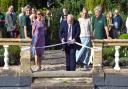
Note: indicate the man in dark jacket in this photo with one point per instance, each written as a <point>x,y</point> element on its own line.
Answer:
<point>69,32</point>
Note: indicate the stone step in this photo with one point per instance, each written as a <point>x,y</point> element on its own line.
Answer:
<point>61,74</point>
<point>53,61</point>
<point>62,80</point>
<point>62,83</point>
<point>54,54</point>
<point>53,57</point>
<point>62,86</point>
<point>50,67</point>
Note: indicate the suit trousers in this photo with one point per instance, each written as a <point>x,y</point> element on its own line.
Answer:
<point>70,57</point>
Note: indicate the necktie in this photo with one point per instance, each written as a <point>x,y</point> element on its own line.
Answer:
<point>69,33</point>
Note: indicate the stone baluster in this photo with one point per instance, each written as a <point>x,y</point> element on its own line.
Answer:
<point>117,67</point>
<point>6,59</point>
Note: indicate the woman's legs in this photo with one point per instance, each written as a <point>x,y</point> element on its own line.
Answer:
<point>38,62</point>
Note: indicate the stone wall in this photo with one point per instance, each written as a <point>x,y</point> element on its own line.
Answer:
<point>110,81</point>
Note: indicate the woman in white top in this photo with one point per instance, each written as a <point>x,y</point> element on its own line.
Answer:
<point>82,56</point>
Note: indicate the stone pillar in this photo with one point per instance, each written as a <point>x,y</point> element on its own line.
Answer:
<point>6,59</point>
<point>97,57</point>
<point>117,67</point>
<point>25,60</point>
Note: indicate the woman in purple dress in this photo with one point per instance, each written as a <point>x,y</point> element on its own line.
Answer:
<point>38,40</point>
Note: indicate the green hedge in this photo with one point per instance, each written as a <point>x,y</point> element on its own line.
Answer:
<point>123,50</point>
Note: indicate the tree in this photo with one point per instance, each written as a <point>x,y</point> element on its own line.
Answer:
<point>74,6</point>
<point>21,3</point>
<point>90,4</point>
<point>5,4</point>
<point>107,5</point>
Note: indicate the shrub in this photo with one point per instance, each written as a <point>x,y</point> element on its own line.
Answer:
<point>108,55</point>
<point>14,55</point>
<point>123,50</point>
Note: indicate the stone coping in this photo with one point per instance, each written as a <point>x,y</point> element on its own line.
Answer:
<point>111,42</point>
<point>13,41</point>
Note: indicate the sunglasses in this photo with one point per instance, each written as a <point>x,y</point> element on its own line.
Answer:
<point>84,13</point>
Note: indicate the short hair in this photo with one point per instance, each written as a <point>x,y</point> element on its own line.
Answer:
<point>70,16</point>
<point>11,7</point>
<point>65,11</point>
<point>84,9</point>
<point>116,11</point>
<point>27,7</point>
<point>99,8</point>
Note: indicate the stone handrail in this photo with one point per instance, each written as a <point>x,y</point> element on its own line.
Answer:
<point>24,59</point>
<point>13,41</point>
<point>97,58</point>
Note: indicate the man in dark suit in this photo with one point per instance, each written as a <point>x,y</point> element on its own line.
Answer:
<point>69,32</point>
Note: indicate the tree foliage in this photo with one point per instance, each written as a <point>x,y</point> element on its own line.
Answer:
<point>90,4</point>
<point>5,4</point>
<point>21,3</point>
<point>107,5</point>
<point>74,6</point>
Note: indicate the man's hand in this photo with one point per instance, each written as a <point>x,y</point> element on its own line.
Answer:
<point>109,37</point>
<point>72,41</point>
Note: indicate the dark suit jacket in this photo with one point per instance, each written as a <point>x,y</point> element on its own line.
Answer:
<point>63,32</point>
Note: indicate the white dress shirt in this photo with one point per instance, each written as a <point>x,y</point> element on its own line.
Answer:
<point>85,26</point>
<point>69,38</point>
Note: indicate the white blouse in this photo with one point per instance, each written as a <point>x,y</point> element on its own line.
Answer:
<point>85,26</point>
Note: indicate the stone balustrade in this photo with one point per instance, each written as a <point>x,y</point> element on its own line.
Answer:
<point>98,46</point>
<point>24,59</point>
<point>97,57</point>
